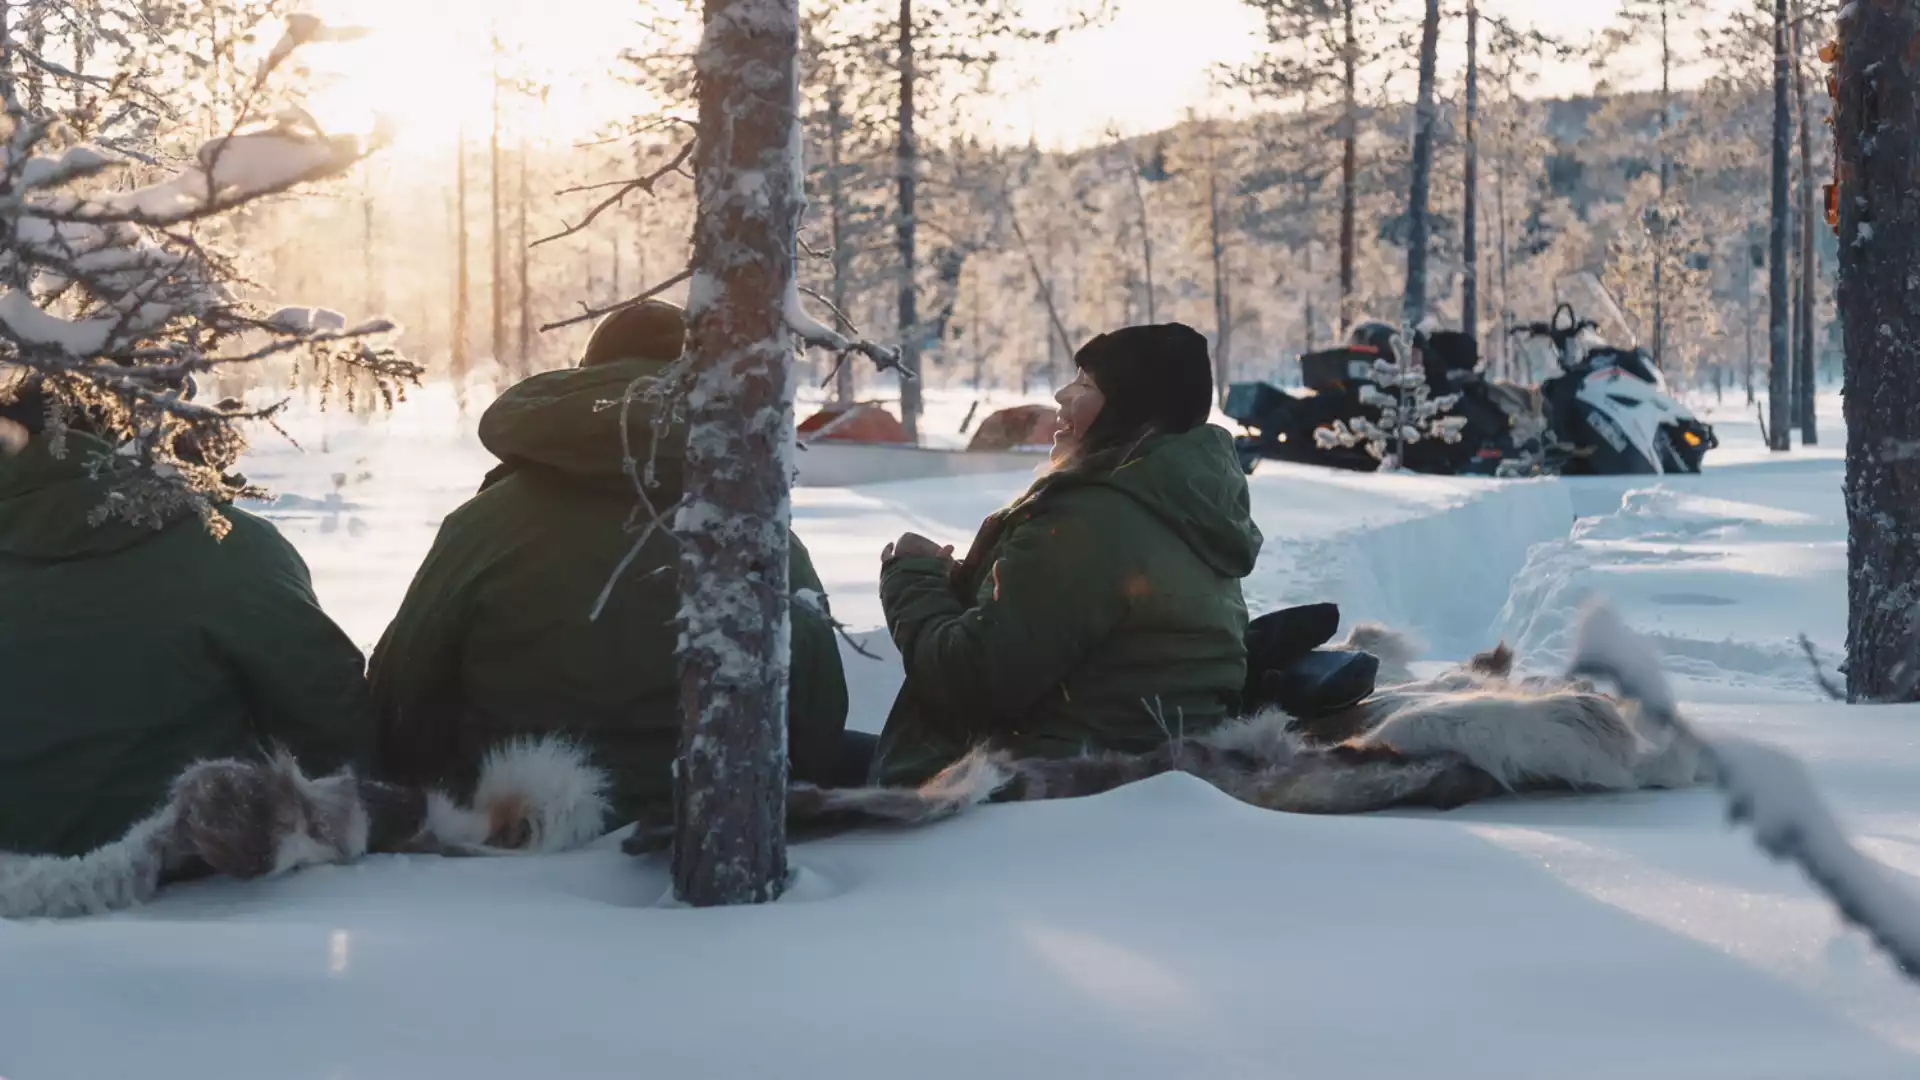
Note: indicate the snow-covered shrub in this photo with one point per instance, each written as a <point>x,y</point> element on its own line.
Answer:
<point>1408,413</point>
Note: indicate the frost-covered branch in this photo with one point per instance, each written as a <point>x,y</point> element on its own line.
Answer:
<point>112,301</point>
<point>811,333</point>
<point>1767,789</point>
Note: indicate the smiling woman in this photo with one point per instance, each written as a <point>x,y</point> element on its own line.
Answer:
<point>429,70</point>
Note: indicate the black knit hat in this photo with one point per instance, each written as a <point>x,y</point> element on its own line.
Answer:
<point>649,330</point>
<point>1151,376</point>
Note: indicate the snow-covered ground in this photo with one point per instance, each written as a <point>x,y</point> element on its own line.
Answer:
<point>1161,930</point>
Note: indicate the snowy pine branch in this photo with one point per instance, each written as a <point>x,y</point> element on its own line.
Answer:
<point>111,301</point>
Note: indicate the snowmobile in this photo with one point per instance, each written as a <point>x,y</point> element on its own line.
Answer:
<point>1282,426</point>
<point>1608,411</point>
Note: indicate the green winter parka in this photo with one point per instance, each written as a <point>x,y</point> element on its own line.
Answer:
<point>1098,611</point>
<point>495,638</point>
<point>127,653</point>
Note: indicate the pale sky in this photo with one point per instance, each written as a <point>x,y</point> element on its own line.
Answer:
<point>428,63</point>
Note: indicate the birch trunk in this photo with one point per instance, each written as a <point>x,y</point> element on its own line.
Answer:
<point>1414,307</point>
<point>523,348</point>
<point>731,777</point>
<point>497,243</point>
<point>1779,383</point>
<point>1875,121</point>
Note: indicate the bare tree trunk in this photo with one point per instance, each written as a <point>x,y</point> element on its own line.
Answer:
<point>1222,306</point>
<point>1470,198</point>
<point>1414,307</point>
<point>1500,210</point>
<point>907,153</point>
<point>1146,230</point>
<point>1748,252</point>
<point>1306,214</point>
<point>1808,276</point>
<point>843,388</point>
<point>462,360</point>
<point>371,299</point>
<point>497,246</point>
<point>1666,172</point>
<point>1876,117</point>
<point>1349,164</point>
<point>731,781</point>
<point>1779,388</point>
<point>523,348</point>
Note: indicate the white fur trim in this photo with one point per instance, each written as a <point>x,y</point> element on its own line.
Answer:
<point>548,783</point>
<point>1396,650</point>
<point>1579,739</point>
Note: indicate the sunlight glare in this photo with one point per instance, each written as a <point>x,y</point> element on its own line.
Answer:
<point>428,69</point>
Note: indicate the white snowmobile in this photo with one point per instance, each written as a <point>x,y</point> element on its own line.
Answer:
<point>1609,411</point>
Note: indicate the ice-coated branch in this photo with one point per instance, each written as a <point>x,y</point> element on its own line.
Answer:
<point>811,333</point>
<point>1767,789</point>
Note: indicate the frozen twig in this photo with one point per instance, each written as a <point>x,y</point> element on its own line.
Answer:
<point>627,187</point>
<point>815,603</point>
<point>590,314</point>
<point>1826,684</point>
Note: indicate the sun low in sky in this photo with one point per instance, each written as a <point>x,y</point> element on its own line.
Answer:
<point>429,67</point>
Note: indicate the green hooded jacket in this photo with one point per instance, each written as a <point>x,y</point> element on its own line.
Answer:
<point>1098,612</point>
<point>127,653</point>
<point>495,638</point>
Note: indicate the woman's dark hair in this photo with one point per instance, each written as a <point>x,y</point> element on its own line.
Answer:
<point>1155,379</point>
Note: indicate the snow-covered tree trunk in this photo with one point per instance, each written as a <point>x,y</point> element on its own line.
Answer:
<point>907,162</point>
<point>1809,289</point>
<point>1414,307</point>
<point>737,402</point>
<point>1877,152</point>
<point>1779,388</point>
<point>1349,161</point>
<point>1470,197</point>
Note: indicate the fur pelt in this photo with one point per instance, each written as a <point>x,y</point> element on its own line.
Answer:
<point>254,819</point>
<point>1470,733</point>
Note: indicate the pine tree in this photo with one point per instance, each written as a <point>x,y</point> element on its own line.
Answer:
<point>731,778</point>
<point>1419,224</point>
<point>1877,154</point>
<point>1779,389</point>
<point>1470,188</point>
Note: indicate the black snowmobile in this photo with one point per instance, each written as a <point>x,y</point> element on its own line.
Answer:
<point>1282,426</point>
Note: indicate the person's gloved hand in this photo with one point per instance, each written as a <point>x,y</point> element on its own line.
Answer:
<point>914,546</point>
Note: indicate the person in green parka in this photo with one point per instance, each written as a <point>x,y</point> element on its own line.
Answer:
<point>128,652</point>
<point>498,635</point>
<point>1102,610</point>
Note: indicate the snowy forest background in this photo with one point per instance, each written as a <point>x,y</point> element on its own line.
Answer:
<point>1229,220</point>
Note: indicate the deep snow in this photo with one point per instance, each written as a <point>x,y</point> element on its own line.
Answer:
<point>1161,930</point>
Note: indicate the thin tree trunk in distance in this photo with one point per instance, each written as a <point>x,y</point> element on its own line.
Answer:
<point>1222,306</point>
<point>1414,307</point>
<point>731,781</point>
<point>1875,121</point>
<point>907,157</point>
<point>1470,197</point>
<point>843,389</point>
<point>1666,172</point>
<point>462,295</point>
<point>497,295</point>
<point>1809,274</point>
<point>1349,163</point>
<point>1779,385</point>
<point>523,349</point>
